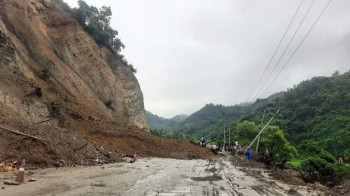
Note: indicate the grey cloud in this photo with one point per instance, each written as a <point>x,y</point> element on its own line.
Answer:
<point>189,53</point>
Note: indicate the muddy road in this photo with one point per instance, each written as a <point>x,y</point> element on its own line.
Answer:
<point>154,176</point>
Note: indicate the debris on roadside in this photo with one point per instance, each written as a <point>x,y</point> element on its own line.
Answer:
<point>99,184</point>
<point>5,167</point>
<point>32,180</point>
<point>129,158</point>
<point>11,183</point>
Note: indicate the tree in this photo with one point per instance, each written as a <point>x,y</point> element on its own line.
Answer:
<point>273,139</point>
<point>247,131</point>
<point>312,149</point>
<point>97,23</point>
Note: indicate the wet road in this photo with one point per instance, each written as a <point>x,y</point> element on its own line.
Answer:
<point>155,176</point>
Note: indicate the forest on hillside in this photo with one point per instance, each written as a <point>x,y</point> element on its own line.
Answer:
<point>310,131</point>
<point>316,110</point>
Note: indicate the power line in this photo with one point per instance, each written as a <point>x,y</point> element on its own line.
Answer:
<point>285,50</point>
<point>278,46</point>
<point>284,66</point>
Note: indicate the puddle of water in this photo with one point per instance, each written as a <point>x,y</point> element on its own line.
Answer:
<point>208,178</point>
<point>213,169</point>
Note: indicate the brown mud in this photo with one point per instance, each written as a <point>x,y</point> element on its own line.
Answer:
<point>82,139</point>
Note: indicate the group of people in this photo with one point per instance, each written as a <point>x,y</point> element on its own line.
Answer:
<point>248,152</point>
<point>234,148</point>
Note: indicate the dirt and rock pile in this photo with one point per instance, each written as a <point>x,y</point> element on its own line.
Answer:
<point>87,141</point>
<point>79,98</point>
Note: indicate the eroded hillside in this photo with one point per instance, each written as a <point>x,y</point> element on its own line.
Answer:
<point>56,83</point>
<point>44,47</point>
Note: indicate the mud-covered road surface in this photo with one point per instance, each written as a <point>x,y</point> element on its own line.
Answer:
<point>154,176</point>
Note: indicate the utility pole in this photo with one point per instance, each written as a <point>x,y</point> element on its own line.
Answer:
<point>257,143</point>
<point>250,145</point>
<point>224,139</point>
<point>229,136</point>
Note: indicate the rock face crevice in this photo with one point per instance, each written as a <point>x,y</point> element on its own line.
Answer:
<point>42,46</point>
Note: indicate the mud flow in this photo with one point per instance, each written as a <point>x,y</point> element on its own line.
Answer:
<point>156,176</point>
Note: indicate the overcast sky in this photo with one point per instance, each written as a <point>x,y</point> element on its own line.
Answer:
<point>192,52</point>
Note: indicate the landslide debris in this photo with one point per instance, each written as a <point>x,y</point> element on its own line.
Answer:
<point>57,84</point>
<point>87,141</point>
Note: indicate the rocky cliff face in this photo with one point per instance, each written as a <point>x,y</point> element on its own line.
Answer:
<point>47,60</point>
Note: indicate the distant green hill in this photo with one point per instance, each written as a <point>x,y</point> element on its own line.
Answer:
<point>316,109</point>
<point>179,118</point>
<point>168,125</point>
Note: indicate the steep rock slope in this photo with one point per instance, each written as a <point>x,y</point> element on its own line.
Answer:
<point>80,103</point>
<point>47,58</point>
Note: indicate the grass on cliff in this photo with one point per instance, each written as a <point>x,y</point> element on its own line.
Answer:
<point>97,23</point>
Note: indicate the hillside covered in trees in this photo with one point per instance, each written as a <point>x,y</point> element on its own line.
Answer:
<point>316,110</point>
<point>160,123</point>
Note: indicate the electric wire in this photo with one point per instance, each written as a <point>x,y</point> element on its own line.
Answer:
<point>313,25</point>
<point>285,50</point>
<point>278,46</point>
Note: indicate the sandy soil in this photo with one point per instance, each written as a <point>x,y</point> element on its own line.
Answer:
<point>154,176</point>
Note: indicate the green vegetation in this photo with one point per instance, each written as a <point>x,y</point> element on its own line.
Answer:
<point>46,73</point>
<point>311,149</point>
<point>246,132</point>
<point>210,122</point>
<point>314,117</point>
<point>274,140</point>
<point>156,123</point>
<point>321,170</point>
<point>163,133</point>
<point>159,132</point>
<point>316,110</point>
<point>97,23</point>
<point>296,163</point>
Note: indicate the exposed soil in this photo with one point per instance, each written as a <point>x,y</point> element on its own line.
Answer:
<point>57,147</point>
<point>81,139</point>
<point>130,140</point>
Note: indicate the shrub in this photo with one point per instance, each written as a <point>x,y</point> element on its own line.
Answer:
<point>46,73</point>
<point>97,23</point>
<point>342,170</point>
<point>133,69</point>
<point>321,170</point>
<point>109,104</point>
<point>274,140</point>
<point>311,149</point>
<point>327,156</point>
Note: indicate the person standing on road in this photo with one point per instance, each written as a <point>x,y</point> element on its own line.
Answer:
<point>236,144</point>
<point>266,155</point>
<point>204,143</point>
<point>201,141</point>
<point>249,154</point>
